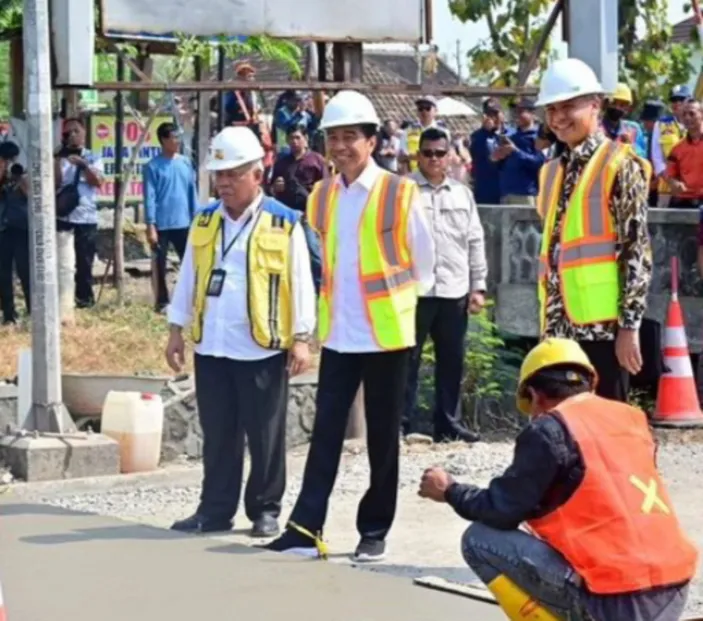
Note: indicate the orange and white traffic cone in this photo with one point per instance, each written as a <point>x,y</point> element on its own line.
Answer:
<point>677,398</point>
<point>3,616</point>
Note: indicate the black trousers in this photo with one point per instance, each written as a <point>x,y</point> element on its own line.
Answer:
<point>14,253</point>
<point>446,322</point>
<point>613,380</point>
<point>238,399</point>
<point>384,376</point>
<point>84,242</point>
<point>178,238</point>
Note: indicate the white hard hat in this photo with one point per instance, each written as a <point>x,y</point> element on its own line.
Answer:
<point>567,79</point>
<point>349,108</point>
<point>234,147</point>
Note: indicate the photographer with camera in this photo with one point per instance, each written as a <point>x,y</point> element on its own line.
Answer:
<point>14,231</point>
<point>79,175</point>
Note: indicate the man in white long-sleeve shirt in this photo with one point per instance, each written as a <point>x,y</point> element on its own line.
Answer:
<point>246,288</point>
<point>460,286</point>
<point>377,255</point>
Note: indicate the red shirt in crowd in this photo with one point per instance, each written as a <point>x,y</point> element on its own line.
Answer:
<point>685,163</point>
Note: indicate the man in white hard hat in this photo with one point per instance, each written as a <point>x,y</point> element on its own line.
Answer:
<point>246,289</point>
<point>377,255</point>
<point>595,261</point>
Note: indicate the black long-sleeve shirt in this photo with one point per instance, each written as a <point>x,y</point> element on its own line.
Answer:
<point>546,470</point>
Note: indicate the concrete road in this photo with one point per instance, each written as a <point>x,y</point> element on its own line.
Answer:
<point>56,564</point>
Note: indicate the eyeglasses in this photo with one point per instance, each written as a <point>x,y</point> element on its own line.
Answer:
<point>430,153</point>
<point>424,108</point>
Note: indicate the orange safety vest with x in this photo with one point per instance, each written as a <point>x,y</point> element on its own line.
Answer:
<point>618,530</point>
<point>589,274</point>
<point>386,277</point>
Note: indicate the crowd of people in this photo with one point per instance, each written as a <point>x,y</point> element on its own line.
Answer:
<point>500,161</point>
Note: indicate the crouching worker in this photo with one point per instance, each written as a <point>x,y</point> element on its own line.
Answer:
<point>604,543</point>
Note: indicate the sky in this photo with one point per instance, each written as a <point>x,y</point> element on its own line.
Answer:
<point>447,29</point>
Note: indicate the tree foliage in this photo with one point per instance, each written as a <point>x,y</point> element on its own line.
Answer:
<point>514,27</point>
<point>644,33</point>
<point>178,66</point>
<point>649,62</point>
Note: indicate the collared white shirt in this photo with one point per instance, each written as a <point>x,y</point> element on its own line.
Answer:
<point>460,253</point>
<point>351,330</point>
<point>87,210</point>
<point>226,326</point>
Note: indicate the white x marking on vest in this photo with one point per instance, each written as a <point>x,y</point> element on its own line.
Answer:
<point>651,499</point>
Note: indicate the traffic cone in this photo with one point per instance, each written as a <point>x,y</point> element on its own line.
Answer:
<point>677,398</point>
<point>3,616</point>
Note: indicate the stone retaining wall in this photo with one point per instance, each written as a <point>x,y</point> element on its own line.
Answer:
<point>182,433</point>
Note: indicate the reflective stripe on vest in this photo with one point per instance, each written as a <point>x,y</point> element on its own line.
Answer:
<point>588,270</point>
<point>618,529</point>
<point>386,277</point>
<point>269,296</point>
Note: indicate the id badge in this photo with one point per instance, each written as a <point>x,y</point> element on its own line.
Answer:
<point>216,283</point>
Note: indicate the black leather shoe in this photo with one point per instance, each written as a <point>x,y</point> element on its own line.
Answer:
<point>201,524</point>
<point>265,526</point>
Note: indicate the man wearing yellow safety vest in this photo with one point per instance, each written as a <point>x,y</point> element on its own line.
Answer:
<point>410,139</point>
<point>601,540</point>
<point>668,132</point>
<point>595,260</point>
<point>377,256</point>
<point>246,288</point>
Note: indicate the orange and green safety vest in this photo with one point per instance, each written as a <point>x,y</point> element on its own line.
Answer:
<point>386,276</point>
<point>587,263</point>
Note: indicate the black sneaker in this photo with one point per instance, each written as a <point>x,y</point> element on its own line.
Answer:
<point>293,542</point>
<point>199,524</point>
<point>370,551</point>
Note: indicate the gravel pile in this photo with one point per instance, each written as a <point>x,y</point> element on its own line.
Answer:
<point>161,504</point>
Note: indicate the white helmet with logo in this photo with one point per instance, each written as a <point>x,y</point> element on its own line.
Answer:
<point>234,147</point>
<point>349,108</point>
<point>567,79</point>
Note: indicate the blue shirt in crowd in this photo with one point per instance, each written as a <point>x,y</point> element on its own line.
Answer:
<point>519,172</point>
<point>170,193</point>
<point>628,131</point>
<point>485,172</point>
<point>286,119</point>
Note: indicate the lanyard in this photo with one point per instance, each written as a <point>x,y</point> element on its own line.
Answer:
<point>226,249</point>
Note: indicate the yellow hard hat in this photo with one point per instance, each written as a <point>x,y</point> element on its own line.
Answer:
<point>622,93</point>
<point>549,353</point>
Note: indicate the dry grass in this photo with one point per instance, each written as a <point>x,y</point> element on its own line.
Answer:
<point>105,339</point>
<point>108,339</point>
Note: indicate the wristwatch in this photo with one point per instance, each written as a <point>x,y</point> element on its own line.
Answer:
<point>302,337</point>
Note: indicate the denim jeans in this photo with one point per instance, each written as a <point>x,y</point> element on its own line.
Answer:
<point>544,574</point>
<point>315,254</point>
